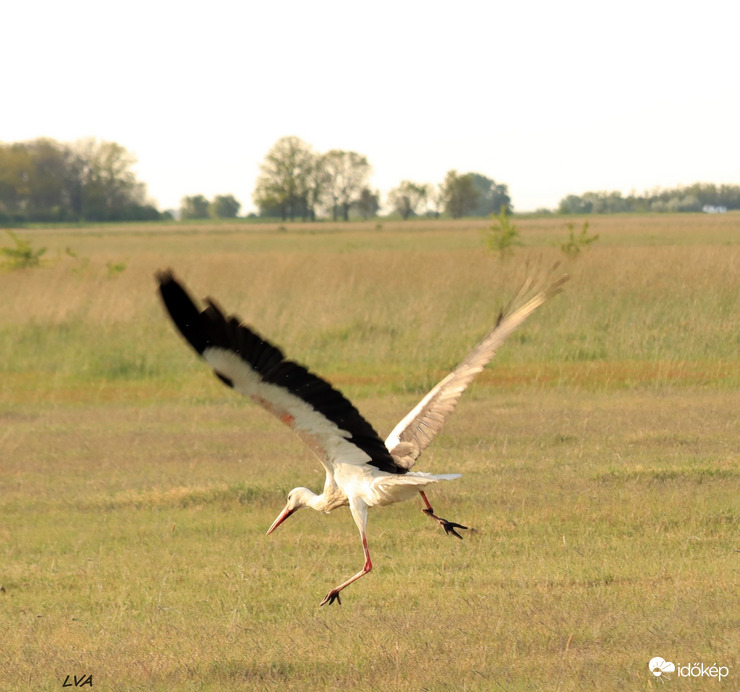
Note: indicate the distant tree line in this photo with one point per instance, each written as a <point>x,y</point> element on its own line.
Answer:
<point>681,199</point>
<point>297,182</point>
<point>89,180</point>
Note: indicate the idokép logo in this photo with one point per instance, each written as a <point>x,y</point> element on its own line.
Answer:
<point>661,668</point>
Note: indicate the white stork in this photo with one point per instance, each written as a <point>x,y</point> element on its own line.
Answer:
<point>361,470</point>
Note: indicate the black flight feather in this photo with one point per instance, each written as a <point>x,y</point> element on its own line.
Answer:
<point>210,328</point>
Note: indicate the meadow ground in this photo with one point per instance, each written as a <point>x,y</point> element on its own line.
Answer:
<point>599,453</point>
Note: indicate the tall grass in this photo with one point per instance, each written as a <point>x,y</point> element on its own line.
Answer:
<point>378,314</point>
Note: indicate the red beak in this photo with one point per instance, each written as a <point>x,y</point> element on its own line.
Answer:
<point>281,518</point>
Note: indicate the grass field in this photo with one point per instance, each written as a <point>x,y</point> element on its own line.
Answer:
<point>599,450</point>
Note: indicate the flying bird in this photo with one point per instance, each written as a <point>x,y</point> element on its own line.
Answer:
<point>362,471</point>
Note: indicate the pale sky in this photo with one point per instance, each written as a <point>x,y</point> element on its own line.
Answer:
<point>550,98</point>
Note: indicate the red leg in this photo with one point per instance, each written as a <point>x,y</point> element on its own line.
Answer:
<point>448,526</point>
<point>333,595</point>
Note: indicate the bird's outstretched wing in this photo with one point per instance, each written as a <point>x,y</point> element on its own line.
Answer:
<point>329,424</point>
<point>413,434</point>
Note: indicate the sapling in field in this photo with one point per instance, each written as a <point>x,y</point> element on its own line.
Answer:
<point>22,255</point>
<point>503,235</point>
<point>574,244</point>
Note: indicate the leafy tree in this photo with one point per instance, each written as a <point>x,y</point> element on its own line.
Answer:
<point>32,179</point>
<point>108,184</point>
<point>194,207</point>
<point>316,185</point>
<point>15,175</point>
<point>46,188</point>
<point>224,207</point>
<point>727,196</point>
<point>406,198</point>
<point>460,194</point>
<point>368,203</point>
<point>43,180</point>
<point>573,204</point>
<point>347,173</point>
<point>491,196</point>
<point>284,182</point>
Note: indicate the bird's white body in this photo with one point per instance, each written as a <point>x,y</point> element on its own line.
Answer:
<point>349,477</point>
<point>362,471</point>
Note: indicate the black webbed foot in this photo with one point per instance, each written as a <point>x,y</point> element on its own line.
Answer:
<point>448,526</point>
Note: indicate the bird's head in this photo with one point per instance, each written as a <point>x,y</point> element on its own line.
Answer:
<point>297,499</point>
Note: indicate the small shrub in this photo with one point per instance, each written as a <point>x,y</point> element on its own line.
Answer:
<point>573,246</point>
<point>22,255</point>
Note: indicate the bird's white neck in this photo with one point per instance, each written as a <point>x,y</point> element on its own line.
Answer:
<point>330,499</point>
<point>312,500</point>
